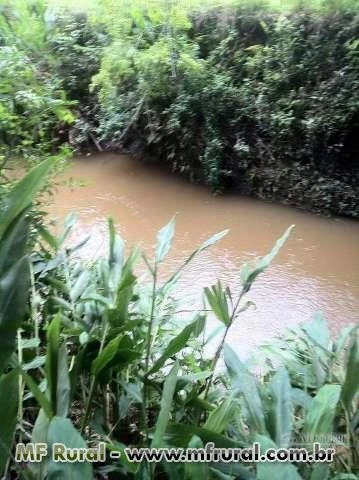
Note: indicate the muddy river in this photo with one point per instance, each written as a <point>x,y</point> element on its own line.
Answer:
<point>317,270</point>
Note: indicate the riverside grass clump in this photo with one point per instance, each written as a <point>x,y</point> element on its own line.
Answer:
<point>90,353</point>
<point>261,97</point>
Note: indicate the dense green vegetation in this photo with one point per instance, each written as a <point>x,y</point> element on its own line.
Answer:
<point>237,96</point>
<point>89,353</point>
<point>257,97</point>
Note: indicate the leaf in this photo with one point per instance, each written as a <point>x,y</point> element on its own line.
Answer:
<point>248,274</point>
<point>212,240</point>
<point>131,467</point>
<point>196,469</point>
<point>351,383</point>
<point>52,357</point>
<point>221,416</point>
<point>301,398</point>
<point>279,422</point>
<point>70,222</point>
<point>164,240</point>
<point>244,382</point>
<point>133,390</point>
<point>180,435</point>
<point>50,239</point>
<point>9,400</point>
<point>321,413</point>
<point>176,344</point>
<point>274,470</point>
<point>320,471</point>
<point>318,331</point>
<point>37,393</point>
<point>209,242</point>
<point>217,299</point>
<point>14,292</point>
<point>63,383</point>
<point>14,241</point>
<point>80,285</point>
<point>118,351</point>
<point>165,408</point>
<point>22,194</point>
<point>116,253</point>
<point>39,435</point>
<point>61,430</point>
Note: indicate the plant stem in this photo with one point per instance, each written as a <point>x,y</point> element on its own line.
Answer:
<point>220,346</point>
<point>35,315</point>
<point>20,359</point>
<point>93,382</point>
<point>148,353</point>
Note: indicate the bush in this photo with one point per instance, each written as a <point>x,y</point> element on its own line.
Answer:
<point>259,100</point>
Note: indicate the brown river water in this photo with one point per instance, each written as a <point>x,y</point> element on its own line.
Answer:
<point>316,270</point>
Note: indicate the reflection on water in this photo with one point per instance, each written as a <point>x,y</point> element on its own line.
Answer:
<point>317,269</point>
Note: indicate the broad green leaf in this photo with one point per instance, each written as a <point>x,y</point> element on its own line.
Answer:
<point>39,435</point>
<point>196,470</point>
<point>318,331</point>
<point>232,471</point>
<point>131,467</point>
<point>52,358</point>
<point>179,435</point>
<point>274,470</point>
<point>301,398</point>
<point>244,382</point>
<point>9,400</point>
<point>133,390</point>
<point>165,408</point>
<point>23,193</point>
<point>351,383</point>
<point>116,253</point>
<point>279,418</point>
<point>321,413</point>
<point>14,292</point>
<point>50,239</point>
<point>70,222</point>
<point>37,393</point>
<point>320,471</point>
<point>164,240</point>
<point>342,339</point>
<point>63,383</point>
<point>61,430</point>
<point>220,475</point>
<point>80,285</point>
<point>249,274</point>
<point>212,241</point>
<point>118,351</point>
<point>14,241</point>
<point>176,344</point>
<point>220,418</point>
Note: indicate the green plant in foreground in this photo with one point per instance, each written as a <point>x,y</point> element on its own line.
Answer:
<point>89,353</point>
